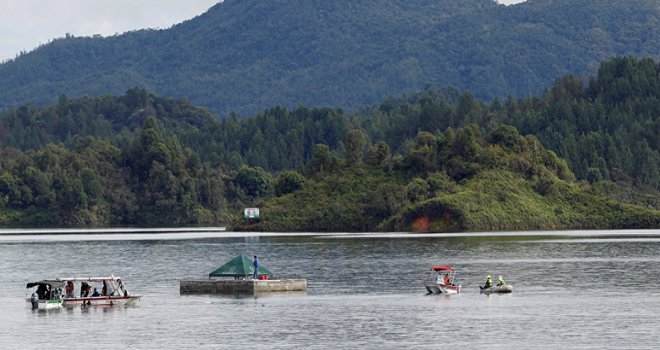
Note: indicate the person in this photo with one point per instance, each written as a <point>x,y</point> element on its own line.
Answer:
<point>69,289</point>
<point>500,281</point>
<point>255,263</point>
<point>489,282</point>
<point>85,289</point>
<point>34,300</point>
<point>96,293</point>
<point>42,291</point>
<point>447,279</point>
<point>107,289</point>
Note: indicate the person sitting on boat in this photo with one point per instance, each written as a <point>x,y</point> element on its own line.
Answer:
<point>500,281</point>
<point>489,282</point>
<point>447,279</point>
<point>96,293</point>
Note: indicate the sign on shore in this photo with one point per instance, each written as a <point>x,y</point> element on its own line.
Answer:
<point>251,213</point>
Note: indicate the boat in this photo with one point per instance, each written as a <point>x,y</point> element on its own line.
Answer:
<point>440,280</point>
<point>92,291</point>
<point>497,289</point>
<point>44,295</point>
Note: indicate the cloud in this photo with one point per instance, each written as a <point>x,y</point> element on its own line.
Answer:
<point>24,24</point>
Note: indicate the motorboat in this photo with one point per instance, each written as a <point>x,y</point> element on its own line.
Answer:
<point>497,289</point>
<point>44,295</point>
<point>92,291</point>
<point>440,280</point>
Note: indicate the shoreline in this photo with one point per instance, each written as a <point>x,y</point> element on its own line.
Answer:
<point>45,235</point>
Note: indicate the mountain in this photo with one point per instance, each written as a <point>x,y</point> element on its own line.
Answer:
<point>247,55</point>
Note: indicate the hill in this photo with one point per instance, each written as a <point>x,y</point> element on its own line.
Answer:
<point>606,129</point>
<point>456,181</point>
<point>247,55</point>
<point>142,159</point>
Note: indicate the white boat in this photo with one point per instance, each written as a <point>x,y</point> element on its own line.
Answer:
<point>93,291</point>
<point>441,280</point>
<point>497,289</point>
<point>44,295</point>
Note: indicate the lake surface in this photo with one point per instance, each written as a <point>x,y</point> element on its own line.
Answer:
<point>577,290</point>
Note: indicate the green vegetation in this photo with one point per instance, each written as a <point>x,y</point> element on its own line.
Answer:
<point>247,55</point>
<point>437,160</point>
<point>450,182</point>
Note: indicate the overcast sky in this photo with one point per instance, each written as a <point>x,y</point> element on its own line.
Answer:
<point>24,24</point>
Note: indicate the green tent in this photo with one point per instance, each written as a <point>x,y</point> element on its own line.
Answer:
<point>239,266</point>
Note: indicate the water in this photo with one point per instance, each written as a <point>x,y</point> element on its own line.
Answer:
<point>578,290</point>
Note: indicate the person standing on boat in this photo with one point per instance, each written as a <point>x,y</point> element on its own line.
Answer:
<point>69,289</point>
<point>489,282</point>
<point>255,263</point>
<point>500,281</point>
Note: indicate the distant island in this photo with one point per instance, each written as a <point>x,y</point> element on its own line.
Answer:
<point>582,155</point>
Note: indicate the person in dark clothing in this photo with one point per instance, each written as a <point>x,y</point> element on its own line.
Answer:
<point>255,263</point>
<point>84,289</point>
<point>42,291</point>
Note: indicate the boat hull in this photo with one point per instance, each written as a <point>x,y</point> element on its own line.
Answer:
<point>102,301</point>
<point>497,289</point>
<point>44,305</point>
<point>442,288</point>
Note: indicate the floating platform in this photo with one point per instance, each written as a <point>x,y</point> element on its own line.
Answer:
<point>242,286</point>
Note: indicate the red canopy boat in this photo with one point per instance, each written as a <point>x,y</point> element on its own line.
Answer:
<point>441,279</point>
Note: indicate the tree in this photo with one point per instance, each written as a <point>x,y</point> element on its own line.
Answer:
<point>256,182</point>
<point>322,160</point>
<point>378,153</point>
<point>288,182</point>
<point>354,144</point>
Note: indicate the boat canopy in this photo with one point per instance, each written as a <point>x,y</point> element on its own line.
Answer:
<point>442,268</point>
<point>239,266</point>
<point>89,279</point>
<point>53,284</point>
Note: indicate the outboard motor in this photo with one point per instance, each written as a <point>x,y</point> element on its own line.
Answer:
<point>35,301</point>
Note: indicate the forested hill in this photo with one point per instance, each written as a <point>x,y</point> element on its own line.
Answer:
<point>434,160</point>
<point>606,129</point>
<point>247,55</point>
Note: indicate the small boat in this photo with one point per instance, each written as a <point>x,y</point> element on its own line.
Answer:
<point>44,295</point>
<point>440,280</point>
<point>107,291</point>
<point>497,289</point>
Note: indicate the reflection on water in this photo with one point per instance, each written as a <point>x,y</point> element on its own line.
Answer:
<point>365,291</point>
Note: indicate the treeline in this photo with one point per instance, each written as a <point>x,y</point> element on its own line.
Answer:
<point>144,159</point>
<point>152,181</point>
<point>606,128</point>
<point>464,180</point>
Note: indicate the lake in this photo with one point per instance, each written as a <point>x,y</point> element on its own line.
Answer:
<point>572,289</point>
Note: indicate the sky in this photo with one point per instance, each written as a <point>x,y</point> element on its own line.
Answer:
<point>25,24</point>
